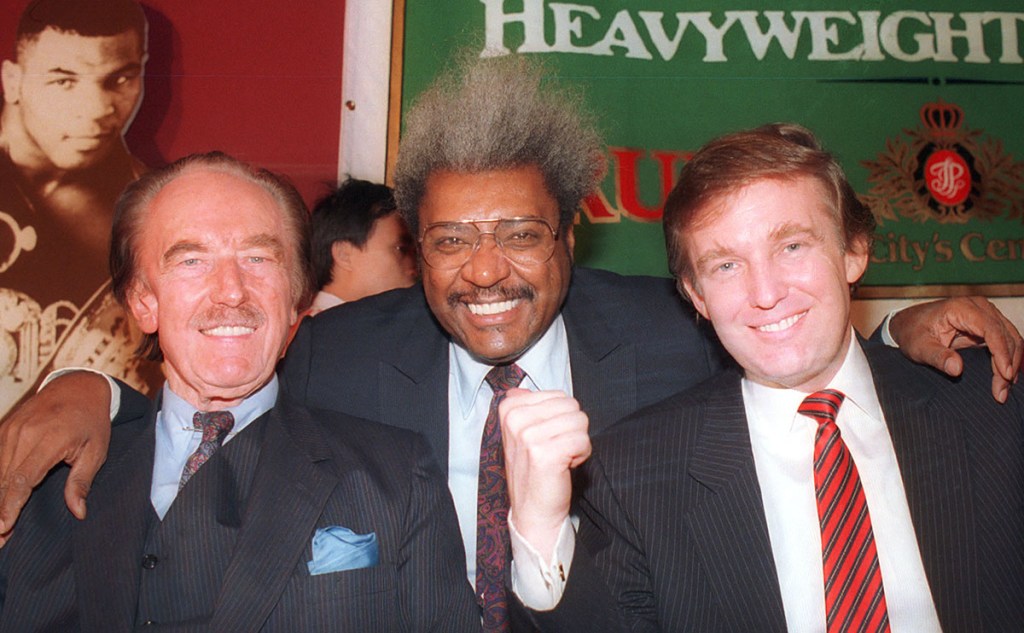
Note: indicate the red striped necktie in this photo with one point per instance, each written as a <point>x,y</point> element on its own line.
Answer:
<point>854,595</point>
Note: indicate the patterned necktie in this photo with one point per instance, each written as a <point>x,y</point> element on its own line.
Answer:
<point>215,426</point>
<point>492,507</point>
<point>854,595</point>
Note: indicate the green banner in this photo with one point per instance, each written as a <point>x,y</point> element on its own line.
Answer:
<point>920,101</point>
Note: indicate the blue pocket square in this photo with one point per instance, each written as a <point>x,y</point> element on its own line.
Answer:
<point>338,548</point>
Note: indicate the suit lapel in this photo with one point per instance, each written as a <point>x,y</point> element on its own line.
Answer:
<point>931,451</point>
<point>729,528</point>
<point>604,370</point>
<point>108,544</point>
<point>413,384</point>
<point>293,481</point>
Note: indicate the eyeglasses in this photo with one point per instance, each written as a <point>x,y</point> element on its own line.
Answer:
<point>449,245</point>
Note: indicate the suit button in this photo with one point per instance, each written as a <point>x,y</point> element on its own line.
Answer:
<point>149,561</point>
<point>148,623</point>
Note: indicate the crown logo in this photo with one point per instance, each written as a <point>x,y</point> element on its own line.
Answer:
<point>942,119</point>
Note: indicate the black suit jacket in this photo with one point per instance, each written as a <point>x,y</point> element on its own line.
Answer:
<point>673,535</point>
<point>315,469</point>
<point>632,341</point>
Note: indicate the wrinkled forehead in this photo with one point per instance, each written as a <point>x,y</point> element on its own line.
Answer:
<point>219,197</point>
<point>462,196</point>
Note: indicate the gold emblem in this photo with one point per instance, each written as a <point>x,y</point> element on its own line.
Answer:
<point>944,171</point>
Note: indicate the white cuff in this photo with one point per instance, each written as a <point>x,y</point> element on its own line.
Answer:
<point>886,335</point>
<point>539,584</point>
<point>115,391</point>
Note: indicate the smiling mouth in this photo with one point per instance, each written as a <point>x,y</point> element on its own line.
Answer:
<point>228,330</point>
<point>784,324</point>
<point>487,309</point>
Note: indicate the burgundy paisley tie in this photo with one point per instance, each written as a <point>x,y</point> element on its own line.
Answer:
<point>215,426</point>
<point>492,507</point>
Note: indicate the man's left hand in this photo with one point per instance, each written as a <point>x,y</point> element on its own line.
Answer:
<point>929,333</point>
<point>544,435</point>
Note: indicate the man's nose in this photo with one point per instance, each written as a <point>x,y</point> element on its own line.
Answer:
<point>487,265</point>
<point>98,102</point>
<point>228,284</point>
<point>765,286</point>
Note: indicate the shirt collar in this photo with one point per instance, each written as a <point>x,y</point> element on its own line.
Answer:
<point>853,379</point>
<point>323,301</point>
<point>175,410</point>
<point>546,364</point>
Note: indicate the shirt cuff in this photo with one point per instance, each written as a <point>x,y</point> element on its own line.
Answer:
<point>115,391</point>
<point>886,335</point>
<point>539,584</point>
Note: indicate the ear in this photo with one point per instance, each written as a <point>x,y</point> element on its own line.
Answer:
<point>10,77</point>
<point>144,307</point>
<point>342,253</point>
<point>570,241</point>
<point>695,297</point>
<point>856,258</point>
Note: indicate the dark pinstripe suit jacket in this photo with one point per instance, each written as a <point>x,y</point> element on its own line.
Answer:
<point>314,470</point>
<point>673,535</point>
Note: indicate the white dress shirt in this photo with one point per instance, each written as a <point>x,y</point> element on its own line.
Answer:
<point>322,301</point>
<point>783,445</point>
<point>177,438</point>
<point>546,365</point>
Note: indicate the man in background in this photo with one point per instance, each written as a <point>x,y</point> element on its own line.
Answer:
<point>70,91</point>
<point>361,246</point>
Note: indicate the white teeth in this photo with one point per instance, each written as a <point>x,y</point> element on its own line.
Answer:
<point>784,324</point>
<point>481,309</point>
<point>229,330</point>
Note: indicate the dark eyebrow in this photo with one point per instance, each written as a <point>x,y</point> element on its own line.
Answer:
<point>127,69</point>
<point>134,68</point>
<point>712,255</point>
<point>265,240</point>
<point>182,247</point>
<point>261,240</point>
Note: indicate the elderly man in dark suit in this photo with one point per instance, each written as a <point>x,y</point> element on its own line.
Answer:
<point>492,169</point>
<point>831,485</point>
<point>225,507</point>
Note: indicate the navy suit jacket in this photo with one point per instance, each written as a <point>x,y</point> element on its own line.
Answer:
<point>632,341</point>
<point>673,535</point>
<point>314,470</point>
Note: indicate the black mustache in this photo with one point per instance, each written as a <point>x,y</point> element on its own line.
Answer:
<point>490,295</point>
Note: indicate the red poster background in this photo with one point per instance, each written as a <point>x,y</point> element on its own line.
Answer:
<point>260,80</point>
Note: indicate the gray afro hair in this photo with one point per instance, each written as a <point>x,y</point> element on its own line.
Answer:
<point>495,113</point>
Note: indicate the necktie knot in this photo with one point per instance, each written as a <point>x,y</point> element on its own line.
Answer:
<point>215,425</point>
<point>822,406</point>
<point>501,378</point>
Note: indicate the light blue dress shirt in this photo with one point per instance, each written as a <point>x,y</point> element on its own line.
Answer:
<point>177,438</point>
<point>469,397</point>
